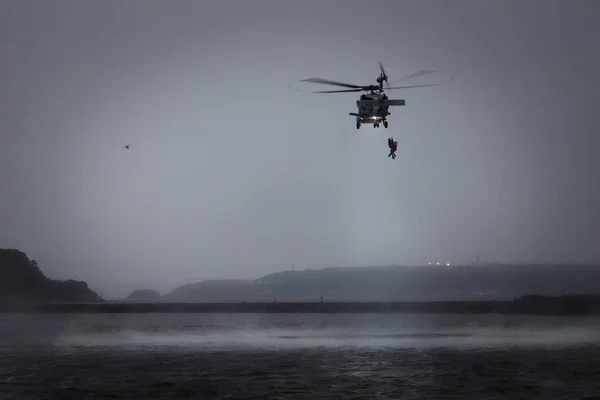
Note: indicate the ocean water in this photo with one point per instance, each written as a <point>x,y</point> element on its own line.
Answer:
<point>298,356</point>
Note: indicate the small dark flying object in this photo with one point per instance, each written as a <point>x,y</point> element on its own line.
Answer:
<point>373,107</point>
<point>126,146</point>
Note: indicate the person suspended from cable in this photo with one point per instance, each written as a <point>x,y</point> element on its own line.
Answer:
<point>393,145</point>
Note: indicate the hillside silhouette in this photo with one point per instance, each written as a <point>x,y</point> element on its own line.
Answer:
<point>22,280</point>
<point>144,295</point>
<point>507,289</point>
<point>400,283</point>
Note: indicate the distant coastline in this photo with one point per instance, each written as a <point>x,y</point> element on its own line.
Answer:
<point>395,283</point>
<point>568,305</point>
<point>464,289</point>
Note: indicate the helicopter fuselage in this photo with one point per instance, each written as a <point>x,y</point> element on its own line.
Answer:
<point>373,108</point>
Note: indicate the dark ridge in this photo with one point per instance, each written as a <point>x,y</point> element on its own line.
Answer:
<point>144,296</point>
<point>22,281</point>
<point>567,305</point>
<point>399,283</point>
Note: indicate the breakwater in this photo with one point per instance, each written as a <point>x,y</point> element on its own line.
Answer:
<point>529,305</point>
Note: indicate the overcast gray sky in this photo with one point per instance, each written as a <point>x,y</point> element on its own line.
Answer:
<point>232,175</point>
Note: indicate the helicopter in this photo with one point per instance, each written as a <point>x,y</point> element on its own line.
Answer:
<point>373,108</point>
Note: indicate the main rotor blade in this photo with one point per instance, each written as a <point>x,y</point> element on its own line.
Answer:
<point>334,83</point>
<point>339,91</point>
<point>412,86</point>
<point>416,86</point>
<point>413,75</point>
<point>382,70</point>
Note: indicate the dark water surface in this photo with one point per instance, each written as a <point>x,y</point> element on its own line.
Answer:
<point>298,356</point>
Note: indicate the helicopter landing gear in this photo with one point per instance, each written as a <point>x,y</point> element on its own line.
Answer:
<point>385,124</point>
<point>375,125</point>
<point>358,125</point>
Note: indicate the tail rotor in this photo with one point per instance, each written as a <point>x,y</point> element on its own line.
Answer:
<point>382,77</point>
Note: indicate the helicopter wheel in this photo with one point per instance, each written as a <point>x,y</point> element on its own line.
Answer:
<point>358,125</point>
<point>385,124</point>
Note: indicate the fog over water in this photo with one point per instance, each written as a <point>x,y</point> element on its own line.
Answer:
<point>197,332</point>
<point>304,356</point>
